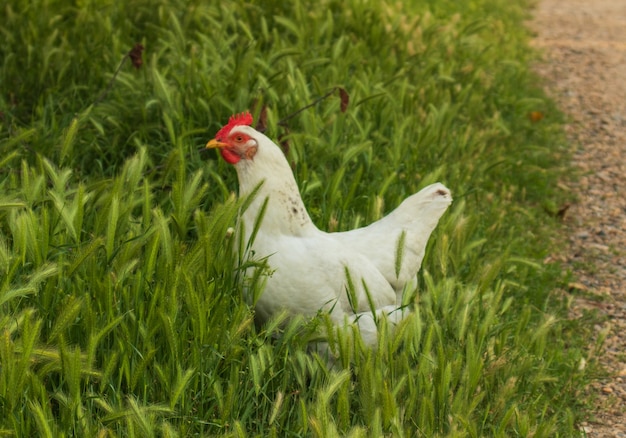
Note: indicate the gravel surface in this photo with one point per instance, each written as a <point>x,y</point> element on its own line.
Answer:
<point>584,42</point>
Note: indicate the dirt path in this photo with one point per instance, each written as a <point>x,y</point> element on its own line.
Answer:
<point>585,68</point>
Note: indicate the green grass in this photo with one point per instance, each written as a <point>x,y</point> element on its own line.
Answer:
<point>120,311</point>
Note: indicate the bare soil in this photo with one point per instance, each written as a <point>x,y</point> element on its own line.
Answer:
<point>584,42</point>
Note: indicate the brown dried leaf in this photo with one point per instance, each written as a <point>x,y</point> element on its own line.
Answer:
<point>135,55</point>
<point>345,99</point>
<point>261,124</point>
<point>561,212</point>
<point>284,143</point>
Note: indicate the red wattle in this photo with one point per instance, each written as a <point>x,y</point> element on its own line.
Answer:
<point>230,156</point>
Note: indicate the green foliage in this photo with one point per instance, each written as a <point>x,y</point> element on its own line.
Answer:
<point>120,310</point>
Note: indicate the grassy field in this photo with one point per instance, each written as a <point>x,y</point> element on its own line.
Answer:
<point>120,311</point>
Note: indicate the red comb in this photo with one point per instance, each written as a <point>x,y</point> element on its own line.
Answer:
<point>235,120</point>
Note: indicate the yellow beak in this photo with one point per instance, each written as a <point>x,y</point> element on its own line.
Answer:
<point>215,144</point>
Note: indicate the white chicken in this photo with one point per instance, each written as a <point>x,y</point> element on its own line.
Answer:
<point>355,276</point>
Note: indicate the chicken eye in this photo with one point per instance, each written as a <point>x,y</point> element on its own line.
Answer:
<point>239,138</point>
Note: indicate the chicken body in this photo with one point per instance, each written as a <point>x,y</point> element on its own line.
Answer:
<point>352,275</point>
